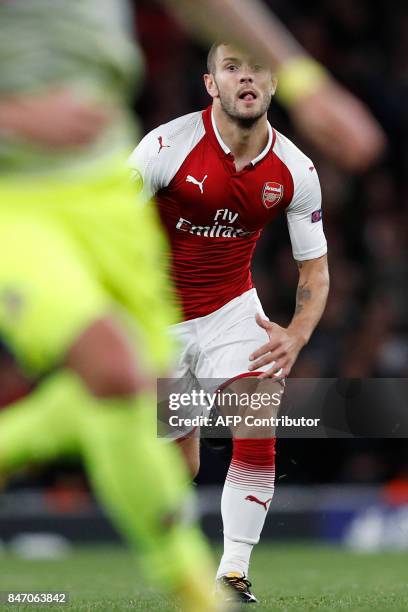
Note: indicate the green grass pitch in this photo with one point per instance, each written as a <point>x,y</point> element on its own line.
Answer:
<point>285,577</point>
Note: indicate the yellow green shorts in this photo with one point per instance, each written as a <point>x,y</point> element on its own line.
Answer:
<point>71,253</point>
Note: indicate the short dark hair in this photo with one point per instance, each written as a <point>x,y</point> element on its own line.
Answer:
<point>211,55</point>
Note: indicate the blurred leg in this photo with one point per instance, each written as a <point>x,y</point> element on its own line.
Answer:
<point>140,480</point>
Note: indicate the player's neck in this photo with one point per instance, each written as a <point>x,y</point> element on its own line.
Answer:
<point>245,143</point>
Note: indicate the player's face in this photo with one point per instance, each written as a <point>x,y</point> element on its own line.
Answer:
<point>243,87</point>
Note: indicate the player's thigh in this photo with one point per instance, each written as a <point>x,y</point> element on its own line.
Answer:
<point>235,336</point>
<point>48,291</point>
<point>224,363</point>
<point>181,401</point>
<point>180,408</point>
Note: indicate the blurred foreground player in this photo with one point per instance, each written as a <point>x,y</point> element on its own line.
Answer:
<point>72,310</point>
<point>218,177</point>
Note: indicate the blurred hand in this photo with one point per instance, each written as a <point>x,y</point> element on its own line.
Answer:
<point>58,119</point>
<point>340,126</point>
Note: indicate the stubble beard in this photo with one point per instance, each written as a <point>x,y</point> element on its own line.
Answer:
<point>241,119</point>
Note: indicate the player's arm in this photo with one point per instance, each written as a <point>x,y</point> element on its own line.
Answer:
<point>311,297</point>
<point>145,167</point>
<point>246,23</point>
<point>309,247</point>
<point>284,345</point>
<point>158,156</point>
<point>54,118</point>
<point>329,116</point>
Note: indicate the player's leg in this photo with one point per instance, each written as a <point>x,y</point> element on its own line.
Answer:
<point>132,268</point>
<point>145,487</point>
<point>42,426</point>
<point>232,335</point>
<point>47,299</point>
<point>115,436</point>
<point>107,361</point>
<point>249,484</point>
<point>124,458</point>
<point>182,381</point>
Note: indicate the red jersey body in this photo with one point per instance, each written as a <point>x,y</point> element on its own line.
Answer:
<point>214,215</point>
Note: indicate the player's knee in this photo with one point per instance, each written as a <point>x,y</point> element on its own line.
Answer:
<point>113,380</point>
<point>110,378</point>
<point>103,359</point>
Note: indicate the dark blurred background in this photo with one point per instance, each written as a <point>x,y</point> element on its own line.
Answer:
<point>364,331</point>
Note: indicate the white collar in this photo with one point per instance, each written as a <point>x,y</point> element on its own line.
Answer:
<point>227,150</point>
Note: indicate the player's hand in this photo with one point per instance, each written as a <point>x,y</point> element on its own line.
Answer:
<point>57,119</point>
<point>280,352</point>
<point>340,126</point>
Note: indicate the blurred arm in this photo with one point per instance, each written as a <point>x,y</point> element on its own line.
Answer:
<point>327,115</point>
<point>247,23</point>
<point>54,118</point>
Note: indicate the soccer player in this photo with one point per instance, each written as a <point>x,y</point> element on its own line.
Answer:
<point>72,310</point>
<point>218,176</point>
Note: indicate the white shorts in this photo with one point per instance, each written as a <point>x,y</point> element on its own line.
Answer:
<point>217,347</point>
<point>213,350</point>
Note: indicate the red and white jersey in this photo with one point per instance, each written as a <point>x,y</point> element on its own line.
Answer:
<point>214,215</point>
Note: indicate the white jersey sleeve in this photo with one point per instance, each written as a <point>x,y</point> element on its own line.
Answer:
<point>304,213</point>
<point>304,217</point>
<point>144,167</point>
<point>158,157</point>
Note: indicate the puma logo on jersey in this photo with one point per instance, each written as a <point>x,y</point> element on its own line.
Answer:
<point>252,498</point>
<point>162,146</point>
<point>191,179</point>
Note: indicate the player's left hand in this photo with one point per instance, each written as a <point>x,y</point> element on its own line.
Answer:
<point>281,351</point>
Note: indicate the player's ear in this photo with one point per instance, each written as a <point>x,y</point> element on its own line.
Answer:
<point>274,83</point>
<point>211,85</point>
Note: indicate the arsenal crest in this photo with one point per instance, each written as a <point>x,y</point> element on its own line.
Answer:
<point>272,194</point>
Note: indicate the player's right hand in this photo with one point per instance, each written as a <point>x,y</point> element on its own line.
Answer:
<point>280,352</point>
<point>340,126</point>
<point>57,119</point>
